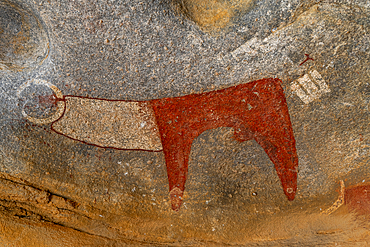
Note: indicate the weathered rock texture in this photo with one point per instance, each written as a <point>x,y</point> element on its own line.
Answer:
<point>56,191</point>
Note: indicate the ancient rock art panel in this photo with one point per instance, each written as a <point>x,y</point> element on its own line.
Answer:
<point>256,110</point>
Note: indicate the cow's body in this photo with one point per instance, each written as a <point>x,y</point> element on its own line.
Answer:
<point>256,110</point>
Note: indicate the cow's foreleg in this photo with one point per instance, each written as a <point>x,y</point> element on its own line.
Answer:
<point>176,152</point>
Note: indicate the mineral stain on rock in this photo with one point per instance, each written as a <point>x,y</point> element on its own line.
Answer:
<point>213,15</point>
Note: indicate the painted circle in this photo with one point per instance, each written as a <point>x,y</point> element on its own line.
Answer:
<point>59,104</point>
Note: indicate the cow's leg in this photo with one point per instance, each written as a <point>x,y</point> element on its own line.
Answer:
<point>177,135</point>
<point>270,124</point>
<point>282,153</point>
<point>176,152</point>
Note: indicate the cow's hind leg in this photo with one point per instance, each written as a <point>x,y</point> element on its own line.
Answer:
<point>285,160</point>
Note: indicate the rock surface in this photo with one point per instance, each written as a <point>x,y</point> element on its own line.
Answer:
<point>58,191</point>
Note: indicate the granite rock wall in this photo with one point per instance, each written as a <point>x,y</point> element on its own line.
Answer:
<point>78,187</point>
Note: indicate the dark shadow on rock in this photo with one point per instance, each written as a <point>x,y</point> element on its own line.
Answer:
<point>23,40</point>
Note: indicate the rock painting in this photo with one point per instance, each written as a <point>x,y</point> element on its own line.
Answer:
<point>310,87</point>
<point>256,110</point>
<point>356,198</point>
<point>110,124</point>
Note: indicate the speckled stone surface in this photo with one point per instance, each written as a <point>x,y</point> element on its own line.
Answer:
<point>145,50</point>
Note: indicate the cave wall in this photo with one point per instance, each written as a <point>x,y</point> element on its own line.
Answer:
<point>94,94</point>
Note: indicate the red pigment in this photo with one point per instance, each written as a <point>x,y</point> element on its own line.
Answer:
<point>358,198</point>
<point>256,110</point>
<point>307,58</point>
<point>47,100</point>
